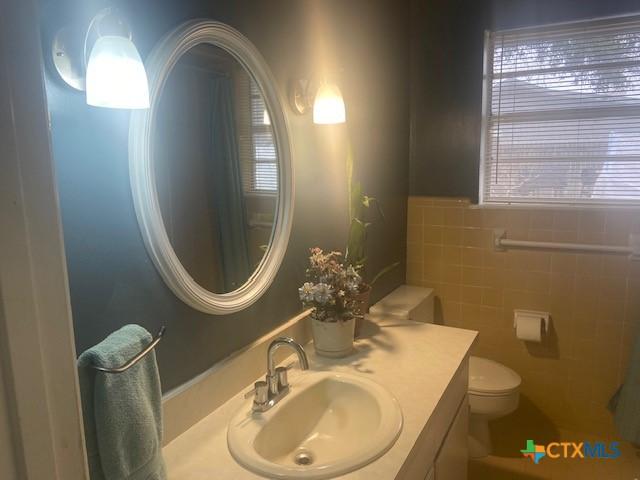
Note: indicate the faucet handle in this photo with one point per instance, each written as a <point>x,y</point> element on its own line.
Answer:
<point>260,393</point>
<point>281,373</point>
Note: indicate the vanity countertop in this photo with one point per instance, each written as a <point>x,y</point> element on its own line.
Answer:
<point>414,361</point>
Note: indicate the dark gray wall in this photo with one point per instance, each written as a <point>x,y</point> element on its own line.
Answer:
<point>112,280</point>
<point>446,80</point>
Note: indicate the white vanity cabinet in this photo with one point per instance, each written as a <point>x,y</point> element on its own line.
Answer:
<point>441,452</point>
<point>427,371</point>
<point>451,462</point>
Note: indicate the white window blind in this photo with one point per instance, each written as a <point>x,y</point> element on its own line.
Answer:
<point>264,148</point>
<point>561,118</point>
<point>257,145</point>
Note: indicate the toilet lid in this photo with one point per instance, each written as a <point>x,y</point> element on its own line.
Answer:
<point>489,377</point>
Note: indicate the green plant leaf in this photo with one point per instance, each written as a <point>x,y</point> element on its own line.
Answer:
<point>378,207</point>
<point>356,242</point>
<point>350,184</point>
<point>355,205</point>
<point>359,204</point>
<point>383,272</point>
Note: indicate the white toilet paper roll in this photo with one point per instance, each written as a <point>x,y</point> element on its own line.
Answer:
<point>529,328</point>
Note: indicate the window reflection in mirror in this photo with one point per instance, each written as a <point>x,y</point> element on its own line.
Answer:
<point>216,168</point>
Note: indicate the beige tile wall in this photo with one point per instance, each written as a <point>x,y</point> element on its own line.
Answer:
<point>594,299</point>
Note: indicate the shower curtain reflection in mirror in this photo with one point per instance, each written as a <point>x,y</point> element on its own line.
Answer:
<point>226,194</point>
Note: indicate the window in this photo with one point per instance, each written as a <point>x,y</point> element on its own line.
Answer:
<point>561,114</point>
<point>265,171</point>
<point>257,145</point>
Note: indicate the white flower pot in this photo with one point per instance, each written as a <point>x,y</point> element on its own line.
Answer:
<point>333,339</point>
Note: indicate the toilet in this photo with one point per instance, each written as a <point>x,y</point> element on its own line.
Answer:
<point>494,389</point>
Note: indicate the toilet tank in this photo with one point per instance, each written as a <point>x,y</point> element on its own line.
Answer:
<point>407,302</point>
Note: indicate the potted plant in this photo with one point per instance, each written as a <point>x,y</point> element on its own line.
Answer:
<point>359,204</point>
<point>331,289</point>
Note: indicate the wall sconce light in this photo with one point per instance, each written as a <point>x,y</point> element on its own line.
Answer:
<point>326,100</point>
<point>112,73</point>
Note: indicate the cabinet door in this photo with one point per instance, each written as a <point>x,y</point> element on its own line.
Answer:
<point>451,462</point>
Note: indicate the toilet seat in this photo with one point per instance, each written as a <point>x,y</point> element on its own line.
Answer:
<point>489,378</point>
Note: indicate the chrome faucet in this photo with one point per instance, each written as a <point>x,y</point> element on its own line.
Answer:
<point>276,384</point>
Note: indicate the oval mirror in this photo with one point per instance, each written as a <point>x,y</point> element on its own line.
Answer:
<point>211,170</point>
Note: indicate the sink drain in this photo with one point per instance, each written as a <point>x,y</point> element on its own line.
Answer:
<point>303,458</point>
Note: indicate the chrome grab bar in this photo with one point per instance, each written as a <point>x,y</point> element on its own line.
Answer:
<point>500,242</point>
<point>137,358</point>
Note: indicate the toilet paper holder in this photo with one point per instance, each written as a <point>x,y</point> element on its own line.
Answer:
<point>544,316</point>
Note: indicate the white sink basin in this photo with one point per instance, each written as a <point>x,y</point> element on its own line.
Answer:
<point>329,424</point>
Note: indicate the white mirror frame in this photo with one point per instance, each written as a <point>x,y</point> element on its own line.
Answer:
<point>141,166</point>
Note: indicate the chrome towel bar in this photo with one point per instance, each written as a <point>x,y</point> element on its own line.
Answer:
<point>135,359</point>
<point>500,242</point>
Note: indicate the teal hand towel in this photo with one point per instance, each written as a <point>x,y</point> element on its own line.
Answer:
<point>122,411</point>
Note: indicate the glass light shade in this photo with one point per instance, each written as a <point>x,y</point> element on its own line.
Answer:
<point>328,106</point>
<point>116,77</point>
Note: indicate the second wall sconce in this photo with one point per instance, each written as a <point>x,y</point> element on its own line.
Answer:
<point>102,60</point>
<point>326,101</point>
